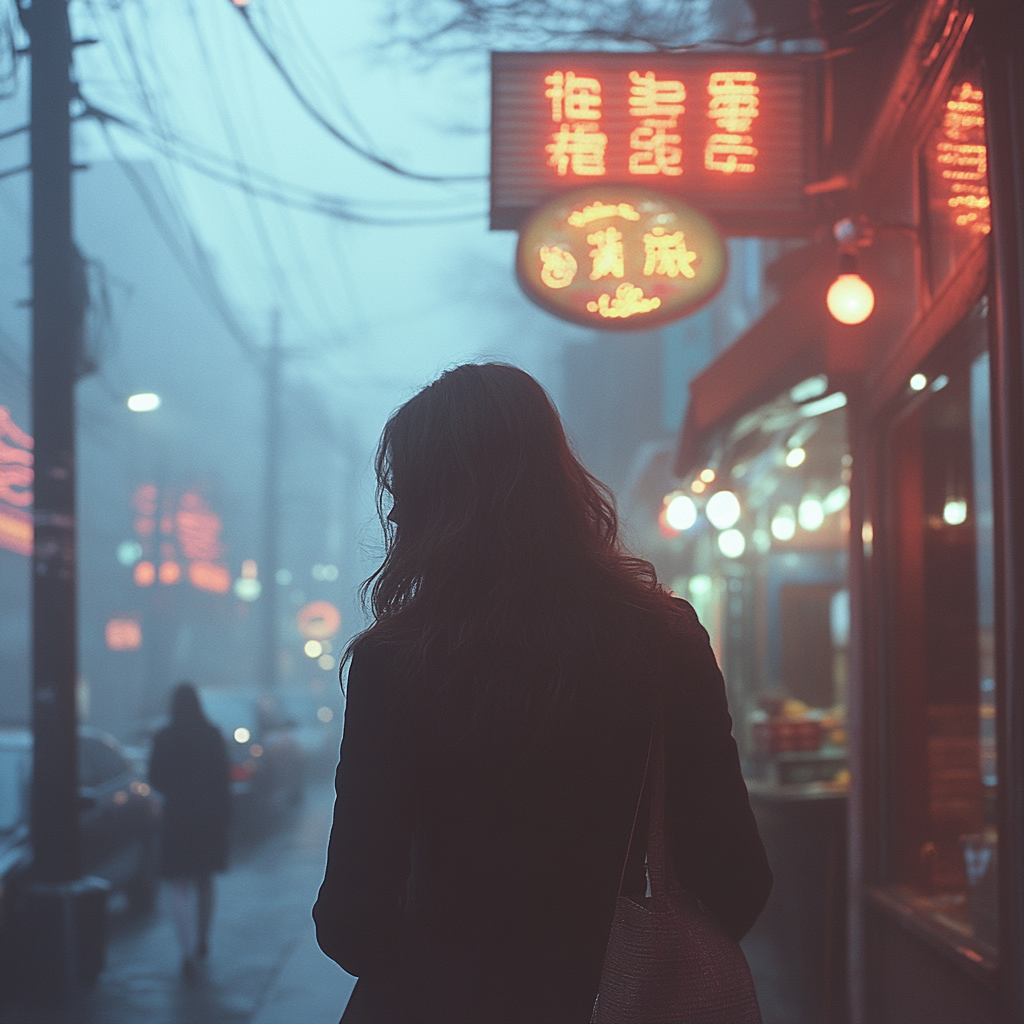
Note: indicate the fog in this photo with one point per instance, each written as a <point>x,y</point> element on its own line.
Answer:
<point>190,259</point>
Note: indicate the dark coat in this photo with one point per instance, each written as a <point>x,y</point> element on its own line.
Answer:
<point>189,766</point>
<point>462,887</point>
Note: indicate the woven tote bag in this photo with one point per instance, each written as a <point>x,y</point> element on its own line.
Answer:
<point>668,961</point>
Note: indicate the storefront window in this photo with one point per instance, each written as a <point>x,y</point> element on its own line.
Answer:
<point>941,672</point>
<point>759,538</point>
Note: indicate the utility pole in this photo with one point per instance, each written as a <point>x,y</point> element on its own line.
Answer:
<point>63,914</point>
<point>271,504</point>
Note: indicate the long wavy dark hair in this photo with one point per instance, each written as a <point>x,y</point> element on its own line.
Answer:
<point>503,573</point>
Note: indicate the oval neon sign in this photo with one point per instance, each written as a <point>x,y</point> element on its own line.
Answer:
<point>619,258</point>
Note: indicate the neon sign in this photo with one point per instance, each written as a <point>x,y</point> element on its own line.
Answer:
<point>730,132</point>
<point>16,476</point>
<point>619,257</point>
<point>962,160</point>
<point>174,529</point>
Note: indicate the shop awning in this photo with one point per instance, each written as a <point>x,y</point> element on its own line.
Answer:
<point>788,344</point>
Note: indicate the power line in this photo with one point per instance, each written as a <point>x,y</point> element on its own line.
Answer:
<point>321,119</point>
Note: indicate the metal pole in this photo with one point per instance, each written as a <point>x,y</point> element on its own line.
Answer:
<point>57,309</point>
<point>271,502</point>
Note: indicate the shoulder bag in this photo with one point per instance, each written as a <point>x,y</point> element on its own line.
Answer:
<point>668,961</point>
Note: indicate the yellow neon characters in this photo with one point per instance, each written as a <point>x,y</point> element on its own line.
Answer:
<point>628,301</point>
<point>558,266</point>
<point>608,256</point>
<point>667,254</point>
<point>733,105</point>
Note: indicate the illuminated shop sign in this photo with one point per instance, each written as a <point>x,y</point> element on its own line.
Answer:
<point>959,162</point>
<point>618,257</point>
<point>15,486</point>
<point>176,532</point>
<point>729,132</point>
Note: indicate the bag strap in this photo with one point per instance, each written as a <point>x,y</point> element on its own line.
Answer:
<point>636,813</point>
<point>662,878</point>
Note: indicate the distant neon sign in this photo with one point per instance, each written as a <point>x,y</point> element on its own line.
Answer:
<point>16,476</point>
<point>173,530</point>
<point>618,257</point>
<point>730,132</point>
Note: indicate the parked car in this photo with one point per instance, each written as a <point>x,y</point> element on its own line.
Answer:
<point>317,722</point>
<point>119,820</point>
<point>266,759</point>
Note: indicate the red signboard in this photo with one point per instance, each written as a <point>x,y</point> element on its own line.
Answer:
<point>619,258</point>
<point>15,486</point>
<point>731,133</point>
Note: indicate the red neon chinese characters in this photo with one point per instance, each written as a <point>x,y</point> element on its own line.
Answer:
<point>579,144</point>
<point>732,106</point>
<point>964,159</point>
<point>653,148</point>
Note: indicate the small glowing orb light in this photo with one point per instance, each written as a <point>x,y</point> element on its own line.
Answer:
<point>698,486</point>
<point>918,382</point>
<point>145,401</point>
<point>707,475</point>
<point>723,510</point>
<point>836,499</point>
<point>242,734</point>
<point>680,511</point>
<point>784,523</point>
<point>129,552</point>
<point>313,648</point>
<point>850,299</point>
<point>249,570</point>
<point>795,457</point>
<point>810,514</point>
<point>326,662</point>
<point>731,543</point>
<point>145,574</point>
<point>169,573</point>
<point>700,585</point>
<point>325,714</point>
<point>247,588</point>
<point>955,511</point>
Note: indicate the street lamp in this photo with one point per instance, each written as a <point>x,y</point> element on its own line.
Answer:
<point>145,401</point>
<point>850,298</point>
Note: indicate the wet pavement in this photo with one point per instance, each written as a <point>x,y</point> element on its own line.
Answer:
<point>264,965</point>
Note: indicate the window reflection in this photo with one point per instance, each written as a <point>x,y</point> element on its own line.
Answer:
<point>943,856</point>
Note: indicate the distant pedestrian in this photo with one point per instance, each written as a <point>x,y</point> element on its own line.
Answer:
<point>189,766</point>
<point>501,710</point>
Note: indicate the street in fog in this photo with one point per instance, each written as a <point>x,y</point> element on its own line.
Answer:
<point>264,966</point>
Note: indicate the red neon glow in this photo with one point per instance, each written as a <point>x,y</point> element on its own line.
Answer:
<point>123,635</point>
<point>318,620</point>
<point>579,145</point>
<point>733,105</point>
<point>145,573</point>
<point>198,529</point>
<point>16,477</point>
<point>209,576</point>
<point>653,148</point>
<point>169,573</point>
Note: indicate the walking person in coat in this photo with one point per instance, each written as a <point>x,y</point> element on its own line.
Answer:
<point>499,714</point>
<point>189,766</point>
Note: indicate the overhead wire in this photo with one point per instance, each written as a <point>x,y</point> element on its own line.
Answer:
<point>329,126</point>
